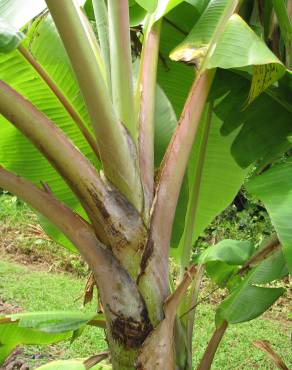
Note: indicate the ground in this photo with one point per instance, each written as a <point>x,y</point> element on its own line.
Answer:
<point>36,274</point>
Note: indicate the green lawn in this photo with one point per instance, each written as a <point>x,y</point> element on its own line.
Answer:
<point>39,290</point>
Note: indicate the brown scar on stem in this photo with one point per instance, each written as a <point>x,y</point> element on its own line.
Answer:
<point>148,251</point>
<point>129,332</point>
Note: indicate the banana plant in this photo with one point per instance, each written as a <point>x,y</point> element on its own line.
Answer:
<point>128,126</point>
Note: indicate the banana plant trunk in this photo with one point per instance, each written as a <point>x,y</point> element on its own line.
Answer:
<point>125,238</point>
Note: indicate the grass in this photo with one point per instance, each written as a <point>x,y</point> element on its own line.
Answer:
<point>39,290</point>
<point>22,240</point>
<point>45,284</point>
<point>42,291</point>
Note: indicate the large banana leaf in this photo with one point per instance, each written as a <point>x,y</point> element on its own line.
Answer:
<point>214,179</point>
<point>149,5</point>
<point>264,126</point>
<point>165,6</point>
<point>258,138</point>
<point>216,42</point>
<point>18,12</point>
<point>176,78</point>
<point>64,365</point>
<point>250,299</point>
<point>165,124</point>
<point>10,37</point>
<point>44,43</point>
<point>274,188</point>
<point>219,186</point>
<point>73,365</point>
<point>16,153</point>
<point>222,260</point>
<point>233,252</point>
<point>39,328</point>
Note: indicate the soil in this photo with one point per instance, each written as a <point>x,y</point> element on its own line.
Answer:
<point>21,246</point>
<point>8,308</point>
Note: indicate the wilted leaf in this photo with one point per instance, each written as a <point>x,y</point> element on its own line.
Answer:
<point>266,347</point>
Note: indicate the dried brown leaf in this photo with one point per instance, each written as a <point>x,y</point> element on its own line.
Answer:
<point>265,346</point>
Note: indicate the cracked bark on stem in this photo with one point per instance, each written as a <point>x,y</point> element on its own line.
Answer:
<point>61,97</point>
<point>115,220</point>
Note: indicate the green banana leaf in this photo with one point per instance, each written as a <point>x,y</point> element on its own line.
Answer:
<point>10,37</point>
<point>263,127</point>
<point>16,153</point>
<point>137,12</point>
<point>221,176</point>
<point>18,12</point>
<point>222,274</point>
<point>72,365</point>
<point>44,44</point>
<point>250,298</point>
<point>165,124</point>
<point>175,79</point>
<point>40,328</point>
<point>274,189</point>
<point>64,365</point>
<point>223,259</point>
<point>233,252</point>
<point>215,187</point>
<point>199,4</point>
<point>149,5</point>
<point>165,6</point>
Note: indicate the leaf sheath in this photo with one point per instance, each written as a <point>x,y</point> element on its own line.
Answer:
<point>116,149</point>
<point>120,296</point>
<point>115,220</point>
<point>121,64</point>
<point>146,94</point>
<point>211,349</point>
<point>165,201</point>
